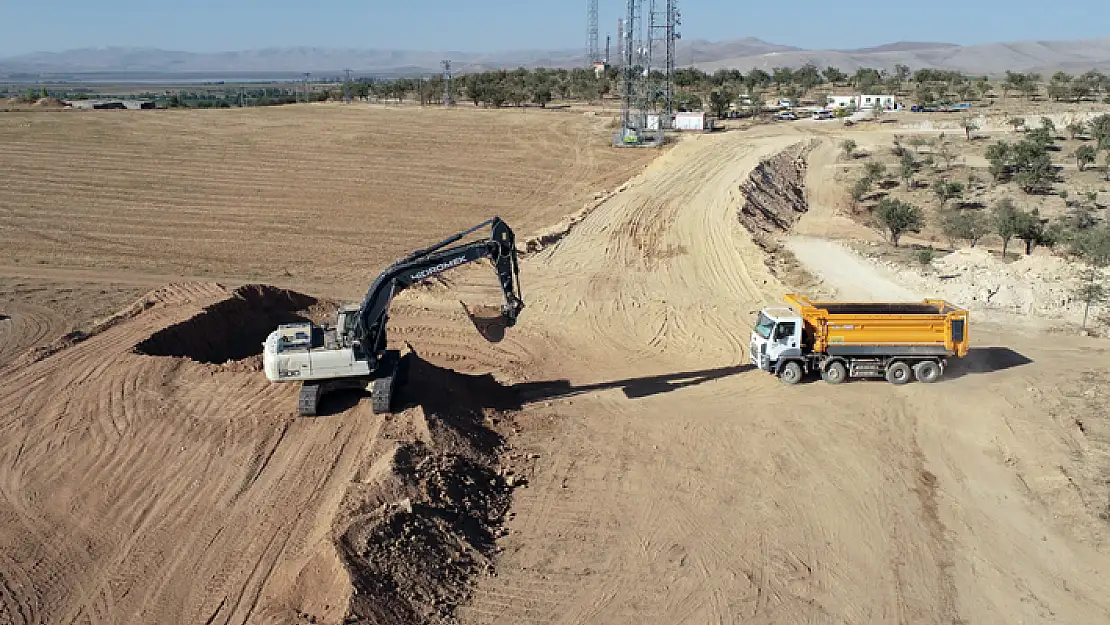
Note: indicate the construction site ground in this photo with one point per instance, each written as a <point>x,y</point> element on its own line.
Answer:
<point>611,459</point>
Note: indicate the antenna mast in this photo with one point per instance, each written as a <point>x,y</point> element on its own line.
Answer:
<point>593,53</point>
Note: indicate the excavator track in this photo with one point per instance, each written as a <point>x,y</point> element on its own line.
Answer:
<point>309,399</point>
<point>381,392</point>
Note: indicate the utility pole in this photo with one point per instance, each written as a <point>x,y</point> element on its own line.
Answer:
<point>306,75</point>
<point>448,91</point>
<point>347,87</point>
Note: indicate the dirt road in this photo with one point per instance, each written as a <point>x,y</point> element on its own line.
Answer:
<point>677,486</point>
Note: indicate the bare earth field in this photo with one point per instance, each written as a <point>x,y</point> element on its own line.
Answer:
<point>306,194</point>
<point>614,459</point>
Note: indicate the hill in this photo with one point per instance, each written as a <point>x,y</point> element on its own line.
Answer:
<point>745,54</point>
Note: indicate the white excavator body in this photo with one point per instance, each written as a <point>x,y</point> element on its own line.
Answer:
<point>296,352</point>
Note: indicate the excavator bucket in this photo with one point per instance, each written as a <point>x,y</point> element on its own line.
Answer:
<point>488,320</point>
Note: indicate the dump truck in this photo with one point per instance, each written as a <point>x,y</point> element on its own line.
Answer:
<point>898,341</point>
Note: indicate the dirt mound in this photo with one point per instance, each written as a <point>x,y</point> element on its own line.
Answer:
<point>50,103</point>
<point>232,329</point>
<point>553,234</point>
<point>411,561</point>
<point>74,337</point>
<point>421,523</point>
<point>1040,285</point>
<point>455,407</point>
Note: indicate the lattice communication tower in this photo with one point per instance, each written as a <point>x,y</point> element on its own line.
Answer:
<point>593,51</point>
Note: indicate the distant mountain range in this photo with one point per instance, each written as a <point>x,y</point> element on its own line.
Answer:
<point>744,54</point>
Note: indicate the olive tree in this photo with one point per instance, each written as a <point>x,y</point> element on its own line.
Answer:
<point>897,217</point>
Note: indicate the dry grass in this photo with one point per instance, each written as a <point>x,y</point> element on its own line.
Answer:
<point>310,192</point>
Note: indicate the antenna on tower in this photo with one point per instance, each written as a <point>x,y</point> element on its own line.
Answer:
<point>448,92</point>
<point>593,54</point>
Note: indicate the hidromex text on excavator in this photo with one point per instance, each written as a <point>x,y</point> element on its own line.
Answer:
<point>353,353</point>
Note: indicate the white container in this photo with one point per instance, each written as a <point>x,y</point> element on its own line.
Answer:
<point>689,121</point>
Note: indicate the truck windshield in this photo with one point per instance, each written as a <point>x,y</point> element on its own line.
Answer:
<point>764,325</point>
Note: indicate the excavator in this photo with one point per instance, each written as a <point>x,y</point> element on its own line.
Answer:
<point>353,354</point>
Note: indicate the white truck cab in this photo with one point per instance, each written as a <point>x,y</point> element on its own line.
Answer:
<point>777,335</point>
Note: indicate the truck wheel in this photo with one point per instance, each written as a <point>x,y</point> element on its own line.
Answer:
<point>791,373</point>
<point>835,373</point>
<point>927,371</point>
<point>898,373</point>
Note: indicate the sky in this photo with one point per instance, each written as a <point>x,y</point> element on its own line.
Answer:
<point>498,25</point>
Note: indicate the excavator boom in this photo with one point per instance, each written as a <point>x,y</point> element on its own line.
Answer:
<point>500,248</point>
<point>354,353</point>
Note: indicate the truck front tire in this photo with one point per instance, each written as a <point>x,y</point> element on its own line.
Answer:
<point>835,373</point>
<point>791,373</point>
<point>898,373</point>
<point>927,371</point>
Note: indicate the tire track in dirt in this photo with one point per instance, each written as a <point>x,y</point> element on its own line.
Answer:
<point>23,326</point>
<point>140,454</point>
<point>675,488</point>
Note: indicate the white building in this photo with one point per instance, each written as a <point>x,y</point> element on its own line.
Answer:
<point>871,101</point>
<point>862,102</point>
<point>842,101</point>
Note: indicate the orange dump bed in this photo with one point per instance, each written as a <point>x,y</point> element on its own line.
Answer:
<point>930,327</point>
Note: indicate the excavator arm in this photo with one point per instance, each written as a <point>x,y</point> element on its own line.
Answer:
<point>500,248</point>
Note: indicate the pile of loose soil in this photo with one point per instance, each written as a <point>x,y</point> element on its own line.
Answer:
<point>1041,285</point>
<point>50,103</point>
<point>421,521</point>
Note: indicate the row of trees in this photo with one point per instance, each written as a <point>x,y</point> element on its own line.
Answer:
<point>521,86</point>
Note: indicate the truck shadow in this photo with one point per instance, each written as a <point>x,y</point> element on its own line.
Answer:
<point>981,360</point>
<point>633,388</point>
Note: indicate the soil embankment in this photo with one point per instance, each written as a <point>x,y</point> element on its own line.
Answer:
<point>775,199</point>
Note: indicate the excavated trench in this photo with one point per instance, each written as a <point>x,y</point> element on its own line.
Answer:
<point>232,329</point>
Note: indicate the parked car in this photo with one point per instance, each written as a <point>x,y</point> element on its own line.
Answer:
<point>786,116</point>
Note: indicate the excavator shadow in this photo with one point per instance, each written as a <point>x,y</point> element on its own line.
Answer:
<point>985,360</point>
<point>461,400</point>
<point>633,388</point>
